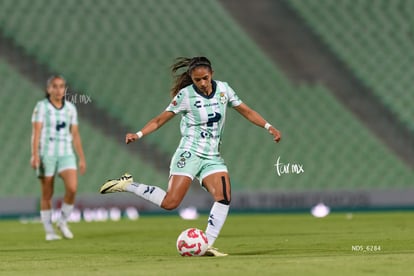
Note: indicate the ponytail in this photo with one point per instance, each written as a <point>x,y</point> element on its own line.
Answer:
<point>184,79</point>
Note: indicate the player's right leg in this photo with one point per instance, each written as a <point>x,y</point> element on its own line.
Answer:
<point>45,173</point>
<point>46,207</point>
<point>218,185</point>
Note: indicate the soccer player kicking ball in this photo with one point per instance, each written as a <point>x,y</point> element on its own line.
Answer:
<point>202,103</point>
<point>55,129</point>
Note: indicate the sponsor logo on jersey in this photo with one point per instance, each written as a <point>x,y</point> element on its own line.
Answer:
<point>205,134</point>
<point>210,104</point>
<point>197,104</point>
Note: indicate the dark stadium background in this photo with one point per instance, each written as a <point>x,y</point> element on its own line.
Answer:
<point>334,76</point>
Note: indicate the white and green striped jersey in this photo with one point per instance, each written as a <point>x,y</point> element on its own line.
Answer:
<point>55,138</point>
<point>203,117</point>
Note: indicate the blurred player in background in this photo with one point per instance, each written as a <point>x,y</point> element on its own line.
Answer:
<point>202,103</point>
<point>55,128</point>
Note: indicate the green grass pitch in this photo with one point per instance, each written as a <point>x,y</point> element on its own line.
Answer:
<point>259,244</point>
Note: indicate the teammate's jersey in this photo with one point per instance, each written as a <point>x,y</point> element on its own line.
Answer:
<point>203,117</point>
<point>55,138</point>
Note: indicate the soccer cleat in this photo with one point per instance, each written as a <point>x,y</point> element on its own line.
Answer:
<point>116,185</point>
<point>213,252</point>
<point>64,229</point>
<point>52,237</point>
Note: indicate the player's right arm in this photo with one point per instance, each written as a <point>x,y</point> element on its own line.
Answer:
<point>151,126</point>
<point>37,124</point>
<point>36,129</point>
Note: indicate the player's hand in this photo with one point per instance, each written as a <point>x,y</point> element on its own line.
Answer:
<point>277,135</point>
<point>131,137</point>
<point>35,161</point>
<point>82,166</point>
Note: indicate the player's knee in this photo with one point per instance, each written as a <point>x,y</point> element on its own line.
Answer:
<point>71,190</point>
<point>70,197</point>
<point>170,204</point>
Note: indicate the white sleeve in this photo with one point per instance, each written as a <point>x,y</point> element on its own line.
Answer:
<point>38,113</point>
<point>178,103</point>
<point>73,115</point>
<point>234,100</point>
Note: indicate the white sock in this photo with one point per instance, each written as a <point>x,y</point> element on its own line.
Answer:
<point>153,194</point>
<point>46,217</point>
<point>218,215</point>
<point>66,210</point>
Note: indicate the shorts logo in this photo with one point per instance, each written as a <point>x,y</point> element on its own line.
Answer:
<point>181,163</point>
<point>185,154</point>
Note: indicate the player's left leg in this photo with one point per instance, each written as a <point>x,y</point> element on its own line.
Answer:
<point>70,179</point>
<point>67,171</point>
<point>218,185</point>
<point>183,168</point>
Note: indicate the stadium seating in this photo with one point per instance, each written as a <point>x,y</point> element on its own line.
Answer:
<point>119,54</point>
<point>373,38</point>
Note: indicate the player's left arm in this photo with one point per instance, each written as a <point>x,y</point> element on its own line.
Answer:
<point>258,120</point>
<point>77,144</point>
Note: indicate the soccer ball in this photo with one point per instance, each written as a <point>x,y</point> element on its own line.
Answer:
<point>192,242</point>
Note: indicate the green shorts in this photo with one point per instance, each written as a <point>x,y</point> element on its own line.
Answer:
<point>187,163</point>
<point>50,165</point>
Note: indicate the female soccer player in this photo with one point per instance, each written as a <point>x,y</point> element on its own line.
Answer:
<point>55,126</point>
<point>202,103</point>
